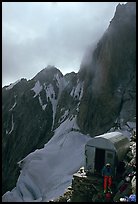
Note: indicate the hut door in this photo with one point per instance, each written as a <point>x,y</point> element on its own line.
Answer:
<point>110,157</point>
<point>99,159</point>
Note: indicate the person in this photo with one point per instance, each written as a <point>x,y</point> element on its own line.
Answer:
<point>132,198</point>
<point>107,173</point>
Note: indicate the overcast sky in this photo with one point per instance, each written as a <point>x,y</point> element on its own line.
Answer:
<point>37,34</point>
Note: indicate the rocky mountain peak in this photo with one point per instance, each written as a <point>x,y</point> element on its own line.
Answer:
<point>47,74</point>
<point>110,78</point>
<point>124,15</point>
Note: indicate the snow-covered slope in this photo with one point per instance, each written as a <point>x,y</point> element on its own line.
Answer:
<point>47,172</point>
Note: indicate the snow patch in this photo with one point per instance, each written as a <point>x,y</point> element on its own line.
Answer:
<point>12,126</point>
<point>58,79</point>
<point>125,133</point>
<point>68,125</point>
<point>61,84</point>
<point>11,196</point>
<point>132,125</point>
<point>15,103</point>
<point>41,103</point>
<point>13,106</point>
<point>63,117</point>
<point>13,84</point>
<point>78,107</point>
<point>77,92</point>
<point>125,129</point>
<point>50,94</point>
<point>37,88</point>
<point>72,92</point>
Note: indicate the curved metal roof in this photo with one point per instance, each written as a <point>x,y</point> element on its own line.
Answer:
<point>114,141</point>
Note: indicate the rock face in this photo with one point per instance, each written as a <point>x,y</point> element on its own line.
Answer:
<point>110,75</point>
<point>101,93</point>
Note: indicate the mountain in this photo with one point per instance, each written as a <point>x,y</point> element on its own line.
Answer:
<point>30,112</point>
<point>43,118</point>
<point>110,76</point>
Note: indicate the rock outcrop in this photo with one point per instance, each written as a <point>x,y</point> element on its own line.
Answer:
<point>110,76</point>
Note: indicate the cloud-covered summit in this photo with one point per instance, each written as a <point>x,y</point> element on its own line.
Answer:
<point>35,34</point>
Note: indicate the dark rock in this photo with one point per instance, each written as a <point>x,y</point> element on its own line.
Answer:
<point>110,78</point>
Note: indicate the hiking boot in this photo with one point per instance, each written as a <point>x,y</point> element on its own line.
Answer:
<point>110,190</point>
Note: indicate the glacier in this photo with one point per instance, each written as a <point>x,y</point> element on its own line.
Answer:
<point>46,173</point>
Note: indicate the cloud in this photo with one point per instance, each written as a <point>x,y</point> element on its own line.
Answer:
<point>35,34</point>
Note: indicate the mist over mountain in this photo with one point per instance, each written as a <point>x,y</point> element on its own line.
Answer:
<point>110,76</point>
<point>100,96</point>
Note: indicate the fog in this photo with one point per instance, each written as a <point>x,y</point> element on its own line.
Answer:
<point>37,34</point>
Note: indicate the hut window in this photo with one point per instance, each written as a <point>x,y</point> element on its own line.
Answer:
<point>110,155</point>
